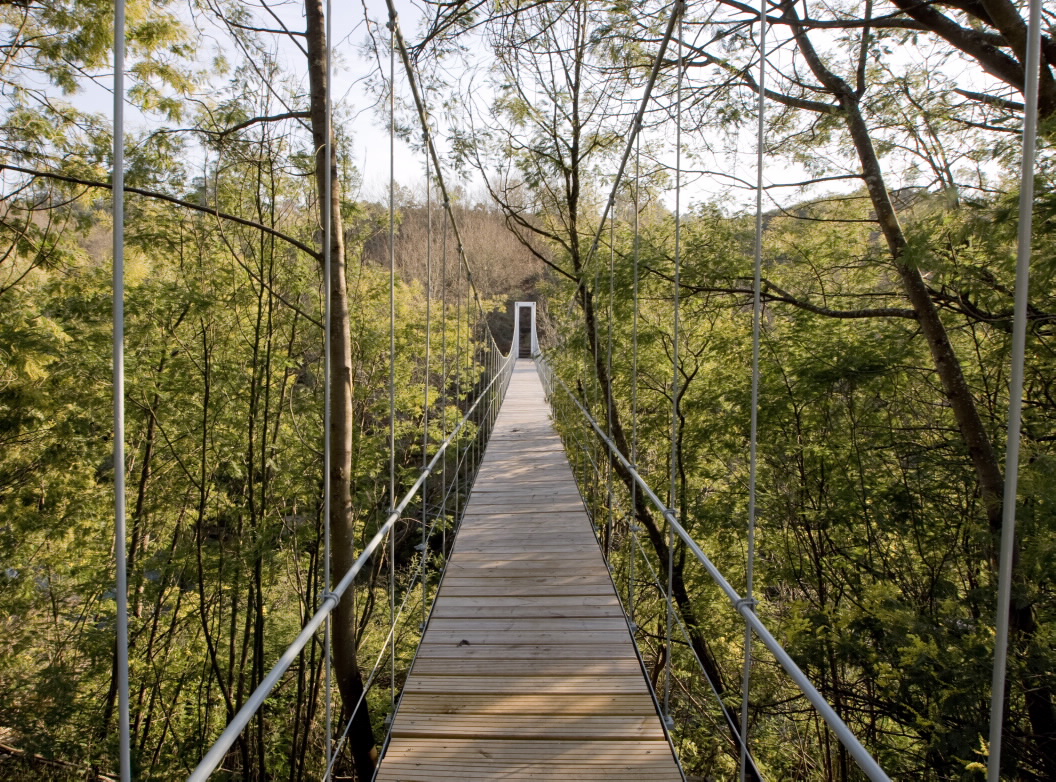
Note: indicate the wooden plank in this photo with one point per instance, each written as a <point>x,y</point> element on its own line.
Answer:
<point>559,760</point>
<point>555,726</point>
<point>447,611</point>
<point>508,601</point>
<point>571,582</point>
<point>574,750</point>
<point>536,559</point>
<point>572,651</point>
<point>579,703</point>
<point>515,623</point>
<point>542,536</point>
<point>511,586</point>
<point>524,685</point>
<point>456,666</point>
<point>575,562</point>
<point>537,770</point>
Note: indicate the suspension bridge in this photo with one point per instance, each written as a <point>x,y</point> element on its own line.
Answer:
<point>528,666</point>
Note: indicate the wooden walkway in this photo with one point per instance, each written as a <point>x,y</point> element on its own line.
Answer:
<point>527,669</point>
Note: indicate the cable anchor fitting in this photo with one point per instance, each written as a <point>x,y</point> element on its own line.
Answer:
<point>746,602</point>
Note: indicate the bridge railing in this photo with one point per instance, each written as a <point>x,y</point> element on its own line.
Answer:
<point>479,420</point>
<point>556,387</point>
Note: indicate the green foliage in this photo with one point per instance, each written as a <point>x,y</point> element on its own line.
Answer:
<point>224,400</point>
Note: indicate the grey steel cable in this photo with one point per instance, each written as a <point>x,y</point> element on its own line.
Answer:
<point>609,397</point>
<point>443,384</point>
<point>677,11</point>
<point>120,526</point>
<point>840,729</point>
<point>676,327</point>
<point>431,151</point>
<point>570,430</point>
<point>216,753</point>
<point>634,369</point>
<point>392,328</point>
<point>598,390</point>
<point>497,385</point>
<point>328,238</point>
<point>428,366</point>
<point>458,387</point>
<point>730,723</point>
<point>753,447</point>
<point>1015,394</point>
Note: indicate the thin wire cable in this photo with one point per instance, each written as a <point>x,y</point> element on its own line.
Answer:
<point>120,528</point>
<point>471,356</point>
<point>387,644</point>
<point>676,328</point>
<point>598,390</point>
<point>392,333</point>
<point>458,388</point>
<point>753,447</point>
<point>215,755</point>
<point>1015,399</point>
<point>677,12</point>
<point>609,396</point>
<point>389,641</point>
<point>428,365</point>
<point>443,383</point>
<point>431,150</point>
<point>684,632</point>
<point>328,237</point>
<point>634,374</point>
<point>840,728</point>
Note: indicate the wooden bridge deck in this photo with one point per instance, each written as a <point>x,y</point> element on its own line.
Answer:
<point>527,668</point>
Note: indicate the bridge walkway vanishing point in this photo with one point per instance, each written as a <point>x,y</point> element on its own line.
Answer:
<point>527,669</point>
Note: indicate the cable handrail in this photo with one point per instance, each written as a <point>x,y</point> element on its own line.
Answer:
<point>846,736</point>
<point>217,752</point>
<point>636,545</point>
<point>730,723</point>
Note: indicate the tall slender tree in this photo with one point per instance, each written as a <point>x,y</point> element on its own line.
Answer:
<point>341,521</point>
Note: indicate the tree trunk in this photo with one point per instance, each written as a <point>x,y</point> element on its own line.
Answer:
<point>346,668</point>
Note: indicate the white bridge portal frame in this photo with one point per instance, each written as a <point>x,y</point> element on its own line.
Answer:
<point>515,344</point>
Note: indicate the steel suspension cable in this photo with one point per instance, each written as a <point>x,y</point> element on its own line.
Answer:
<point>757,311</point>
<point>471,355</point>
<point>428,364</point>
<point>865,761</point>
<point>677,11</point>
<point>675,385</point>
<point>684,632</point>
<point>392,337</point>
<point>495,384</point>
<point>120,527</point>
<point>423,118</point>
<point>443,384</point>
<point>458,388</point>
<point>219,750</point>
<point>1015,398</point>
<point>598,391</point>
<point>328,237</point>
<point>634,376</point>
<point>609,400</point>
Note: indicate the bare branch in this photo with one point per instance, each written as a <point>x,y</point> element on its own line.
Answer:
<point>170,199</point>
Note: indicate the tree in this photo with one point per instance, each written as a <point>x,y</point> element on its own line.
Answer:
<point>342,520</point>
